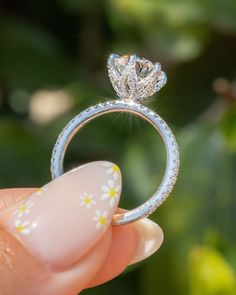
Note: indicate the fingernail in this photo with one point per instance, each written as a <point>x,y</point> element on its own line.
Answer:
<point>150,239</point>
<point>64,219</point>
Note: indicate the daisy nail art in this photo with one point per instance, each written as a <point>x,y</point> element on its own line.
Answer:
<point>41,190</point>
<point>68,205</point>
<point>111,192</point>
<point>22,227</point>
<point>112,169</point>
<point>87,200</point>
<point>101,220</point>
<point>24,208</point>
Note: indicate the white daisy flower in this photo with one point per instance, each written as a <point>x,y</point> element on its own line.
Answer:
<point>112,169</point>
<point>41,190</point>
<point>22,227</point>
<point>101,220</point>
<point>111,192</point>
<point>24,208</point>
<point>87,200</point>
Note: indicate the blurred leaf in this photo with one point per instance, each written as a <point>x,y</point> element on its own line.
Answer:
<point>209,273</point>
<point>31,58</point>
<point>22,157</point>
<point>81,5</point>
<point>203,198</point>
<point>182,27</point>
<point>228,125</point>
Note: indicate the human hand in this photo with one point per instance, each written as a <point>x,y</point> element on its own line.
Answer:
<point>59,239</point>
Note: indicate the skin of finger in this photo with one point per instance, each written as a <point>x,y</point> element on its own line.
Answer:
<point>75,279</point>
<point>20,272</point>
<point>124,237</point>
<point>124,243</point>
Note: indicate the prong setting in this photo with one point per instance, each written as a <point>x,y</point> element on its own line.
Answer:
<point>134,78</point>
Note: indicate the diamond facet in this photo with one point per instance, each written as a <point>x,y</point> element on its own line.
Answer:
<point>135,78</point>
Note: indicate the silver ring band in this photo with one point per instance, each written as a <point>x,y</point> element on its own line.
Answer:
<point>172,162</point>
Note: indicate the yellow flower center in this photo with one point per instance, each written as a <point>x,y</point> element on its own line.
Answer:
<point>112,193</point>
<point>102,220</point>
<point>115,168</point>
<point>87,200</point>
<point>19,228</point>
<point>22,208</point>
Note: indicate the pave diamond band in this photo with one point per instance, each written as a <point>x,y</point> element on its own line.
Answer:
<point>133,79</point>
<point>172,162</point>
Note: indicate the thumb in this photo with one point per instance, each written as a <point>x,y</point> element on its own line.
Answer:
<point>58,226</point>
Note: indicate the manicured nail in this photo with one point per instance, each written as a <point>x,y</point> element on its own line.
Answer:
<point>63,220</point>
<point>150,239</point>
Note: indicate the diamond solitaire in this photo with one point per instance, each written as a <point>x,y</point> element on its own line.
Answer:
<point>133,79</point>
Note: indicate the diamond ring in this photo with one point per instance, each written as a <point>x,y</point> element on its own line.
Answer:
<point>134,79</point>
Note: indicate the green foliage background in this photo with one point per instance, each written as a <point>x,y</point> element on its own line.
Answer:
<point>63,45</point>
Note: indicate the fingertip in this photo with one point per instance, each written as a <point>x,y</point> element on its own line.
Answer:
<point>123,246</point>
<point>130,244</point>
<point>151,238</point>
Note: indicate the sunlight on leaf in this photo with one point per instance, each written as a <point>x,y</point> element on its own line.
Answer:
<point>210,273</point>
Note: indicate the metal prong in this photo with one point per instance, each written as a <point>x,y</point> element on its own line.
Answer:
<point>164,78</point>
<point>162,81</point>
<point>132,58</point>
<point>157,68</point>
<point>110,61</point>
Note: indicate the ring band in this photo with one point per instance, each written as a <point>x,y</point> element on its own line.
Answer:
<point>134,79</point>
<point>145,113</point>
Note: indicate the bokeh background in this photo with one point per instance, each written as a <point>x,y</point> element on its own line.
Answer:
<point>53,64</point>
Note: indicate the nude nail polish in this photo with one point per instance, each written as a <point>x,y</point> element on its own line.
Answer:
<point>64,219</point>
<point>150,238</point>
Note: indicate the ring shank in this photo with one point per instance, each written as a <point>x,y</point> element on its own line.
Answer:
<point>172,162</point>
